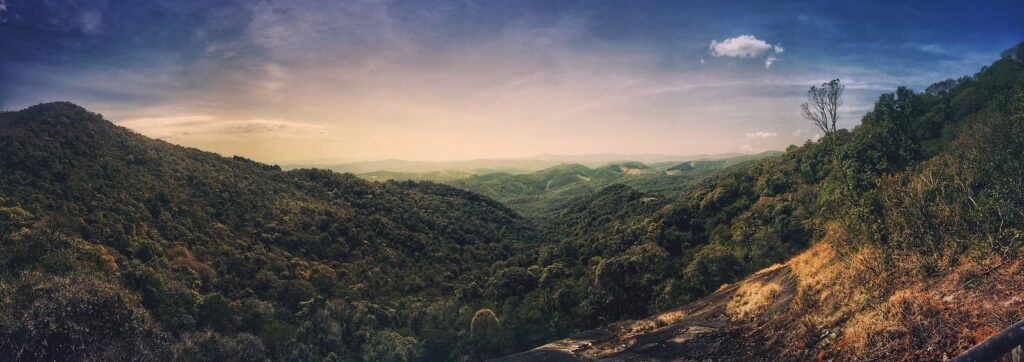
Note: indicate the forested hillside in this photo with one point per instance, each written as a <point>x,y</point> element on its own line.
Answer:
<point>120,247</point>
<point>189,254</point>
<point>916,220</point>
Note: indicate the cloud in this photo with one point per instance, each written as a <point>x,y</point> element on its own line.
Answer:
<point>761,135</point>
<point>929,48</point>
<point>193,126</point>
<point>743,46</point>
<point>746,46</point>
<point>747,149</point>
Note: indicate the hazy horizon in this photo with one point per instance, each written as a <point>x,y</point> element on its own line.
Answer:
<point>325,82</point>
<point>592,157</point>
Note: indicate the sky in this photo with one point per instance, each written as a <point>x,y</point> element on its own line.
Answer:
<point>306,81</point>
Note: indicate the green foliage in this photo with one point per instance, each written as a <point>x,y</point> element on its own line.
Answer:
<point>913,173</point>
<point>512,282</point>
<point>209,346</point>
<point>389,346</point>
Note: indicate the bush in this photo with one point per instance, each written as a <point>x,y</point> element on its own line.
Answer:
<point>78,318</point>
<point>389,346</point>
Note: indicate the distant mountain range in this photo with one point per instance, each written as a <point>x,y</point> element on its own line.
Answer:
<point>511,165</point>
<point>550,189</point>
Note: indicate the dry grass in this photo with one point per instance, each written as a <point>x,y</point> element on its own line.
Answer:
<point>866,330</point>
<point>109,256</point>
<point>667,318</point>
<point>856,306</point>
<point>640,326</point>
<point>751,299</point>
<point>860,304</point>
<point>815,268</point>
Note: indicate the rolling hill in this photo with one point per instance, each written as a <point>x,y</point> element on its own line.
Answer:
<point>511,165</point>
<point>549,190</point>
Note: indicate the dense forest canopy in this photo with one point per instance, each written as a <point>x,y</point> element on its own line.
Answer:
<point>120,247</point>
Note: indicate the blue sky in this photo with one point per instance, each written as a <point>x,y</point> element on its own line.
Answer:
<point>328,81</point>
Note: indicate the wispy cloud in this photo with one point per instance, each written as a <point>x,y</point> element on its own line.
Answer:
<point>928,48</point>
<point>761,135</point>
<point>186,126</point>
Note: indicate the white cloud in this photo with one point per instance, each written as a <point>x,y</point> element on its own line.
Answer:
<point>761,135</point>
<point>743,46</point>
<point>769,61</point>
<point>747,149</point>
<point>701,60</point>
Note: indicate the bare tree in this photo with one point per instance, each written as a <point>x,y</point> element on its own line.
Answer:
<point>822,105</point>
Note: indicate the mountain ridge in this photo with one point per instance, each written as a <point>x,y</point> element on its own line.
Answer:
<point>179,229</point>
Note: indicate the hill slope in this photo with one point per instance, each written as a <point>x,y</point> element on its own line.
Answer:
<point>206,250</point>
<point>916,224</point>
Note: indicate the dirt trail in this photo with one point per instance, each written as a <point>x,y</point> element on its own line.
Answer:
<point>696,331</point>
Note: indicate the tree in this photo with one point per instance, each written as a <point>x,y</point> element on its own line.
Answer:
<point>79,318</point>
<point>822,105</point>
<point>485,332</point>
<point>387,345</point>
<point>512,282</point>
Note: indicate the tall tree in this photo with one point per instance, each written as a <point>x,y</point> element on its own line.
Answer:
<point>823,104</point>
